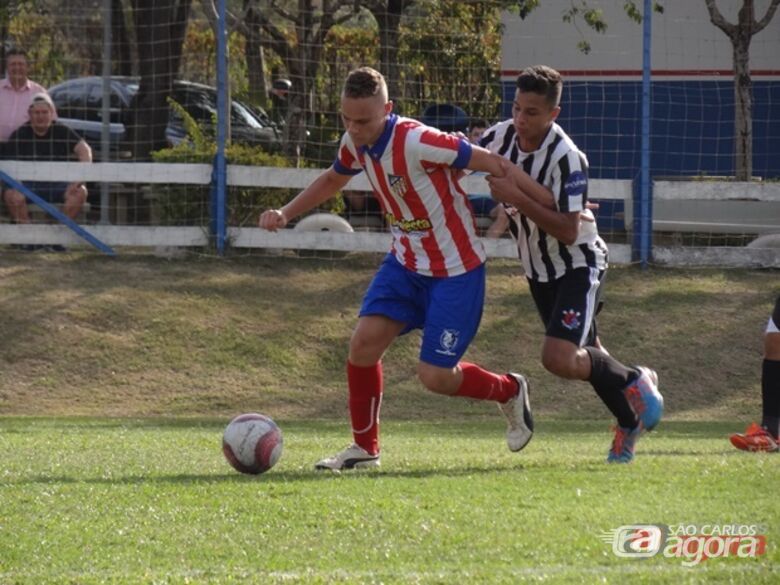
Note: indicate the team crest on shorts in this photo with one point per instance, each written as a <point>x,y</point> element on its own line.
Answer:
<point>448,341</point>
<point>571,319</point>
<point>397,185</point>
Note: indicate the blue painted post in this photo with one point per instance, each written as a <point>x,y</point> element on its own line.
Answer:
<point>56,214</point>
<point>219,184</point>
<point>645,227</point>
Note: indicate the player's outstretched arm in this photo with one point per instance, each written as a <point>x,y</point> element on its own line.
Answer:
<point>535,190</point>
<point>561,226</point>
<point>498,166</point>
<point>323,188</point>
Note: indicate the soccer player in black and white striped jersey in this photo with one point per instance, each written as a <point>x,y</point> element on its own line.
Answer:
<point>564,258</point>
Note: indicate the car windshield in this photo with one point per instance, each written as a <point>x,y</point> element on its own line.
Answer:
<point>241,114</point>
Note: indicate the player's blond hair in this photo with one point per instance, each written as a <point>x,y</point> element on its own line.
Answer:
<point>364,82</point>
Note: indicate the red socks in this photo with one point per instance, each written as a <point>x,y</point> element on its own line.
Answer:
<point>365,397</point>
<point>483,385</point>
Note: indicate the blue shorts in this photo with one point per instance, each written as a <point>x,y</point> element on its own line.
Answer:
<point>49,192</point>
<point>482,205</point>
<point>447,309</point>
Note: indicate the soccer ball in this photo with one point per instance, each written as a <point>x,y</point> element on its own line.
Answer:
<point>252,443</point>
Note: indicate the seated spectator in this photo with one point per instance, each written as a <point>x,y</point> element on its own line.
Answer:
<point>485,205</point>
<point>359,206</point>
<point>16,93</point>
<point>44,139</point>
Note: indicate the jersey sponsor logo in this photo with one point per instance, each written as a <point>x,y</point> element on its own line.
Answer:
<point>571,319</point>
<point>409,226</point>
<point>448,341</point>
<point>397,185</point>
<point>576,184</point>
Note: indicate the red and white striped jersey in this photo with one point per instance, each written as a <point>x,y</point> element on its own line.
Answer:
<point>412,169</point>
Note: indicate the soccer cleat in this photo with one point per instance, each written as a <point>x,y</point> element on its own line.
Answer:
<point>352,457</point>
<point>622,449</point>
<point>517,410</point>
<point>756,438</point>
<point>645,399</point>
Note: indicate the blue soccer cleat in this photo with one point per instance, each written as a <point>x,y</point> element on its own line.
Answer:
<point>645,399</point>
<point>622,450</point>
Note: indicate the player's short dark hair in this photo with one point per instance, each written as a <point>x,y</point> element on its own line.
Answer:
<point>478,123</point>
<point>542,80</point>
<point>364,82</point>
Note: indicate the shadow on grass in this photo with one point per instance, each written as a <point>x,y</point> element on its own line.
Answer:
<point>282,478</point>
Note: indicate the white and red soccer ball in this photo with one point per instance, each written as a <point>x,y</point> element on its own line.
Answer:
<point>252,443</point>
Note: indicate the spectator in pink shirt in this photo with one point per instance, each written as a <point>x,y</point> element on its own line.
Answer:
<point>16,93</point>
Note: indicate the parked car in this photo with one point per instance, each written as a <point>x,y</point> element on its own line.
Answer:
<point>79,105</point>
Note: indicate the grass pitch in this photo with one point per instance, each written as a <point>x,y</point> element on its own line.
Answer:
<point>118,376</point>
<point>153,501</point>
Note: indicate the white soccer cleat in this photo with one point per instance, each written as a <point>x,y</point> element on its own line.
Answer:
<point>517,410</point>
<point>352,457</point>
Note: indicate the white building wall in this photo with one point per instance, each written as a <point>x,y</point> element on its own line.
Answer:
<point>685,42</point>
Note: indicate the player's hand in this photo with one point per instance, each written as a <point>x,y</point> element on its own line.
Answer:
<point>503,188</point>
<point>272,220</point>
<point>584,216</point>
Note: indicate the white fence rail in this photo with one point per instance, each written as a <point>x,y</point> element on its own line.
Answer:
<point>706,206</point>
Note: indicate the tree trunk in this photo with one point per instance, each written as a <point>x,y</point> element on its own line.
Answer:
<point>389,21</point>
<point>743,109</point>
<point>255,59</point>
<point>121,55</point>
<point>4,21</point>
<point>160,27</point>
<point>740,35</point>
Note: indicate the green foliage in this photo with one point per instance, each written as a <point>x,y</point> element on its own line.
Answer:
<point>467,45</point>
<point>188,205</point>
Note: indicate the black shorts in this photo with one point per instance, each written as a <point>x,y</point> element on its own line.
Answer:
<point>568,306</point>
<point>51,192</point>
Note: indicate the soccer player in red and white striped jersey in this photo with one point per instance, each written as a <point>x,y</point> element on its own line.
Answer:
<point>433,278</point>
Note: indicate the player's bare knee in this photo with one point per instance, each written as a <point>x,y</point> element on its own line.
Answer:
<point>436,379</point>
<point>772,346</point>
<point>562,364</point>
<point>76,195</point>
<point>13,197</point>
<point>363,351</point>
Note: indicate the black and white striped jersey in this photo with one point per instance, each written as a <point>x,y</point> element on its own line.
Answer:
<point>560,166</point>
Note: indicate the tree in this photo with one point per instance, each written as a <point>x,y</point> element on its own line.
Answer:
<point>300,47</point>
<point>740,34</point>
<point>388,16</point>
<point>160,26</point>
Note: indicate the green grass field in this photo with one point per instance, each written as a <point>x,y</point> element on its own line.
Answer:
<point>153,501</point>
<point>118,377</point>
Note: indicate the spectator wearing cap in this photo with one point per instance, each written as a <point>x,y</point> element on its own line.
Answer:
<point>16,93</point>
<point>44,139</point>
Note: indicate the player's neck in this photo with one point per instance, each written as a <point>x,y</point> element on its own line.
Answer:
<point>532,143</point>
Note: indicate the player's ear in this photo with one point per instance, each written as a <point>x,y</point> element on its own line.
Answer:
<point>554,114</point>
<point>389,106</point>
